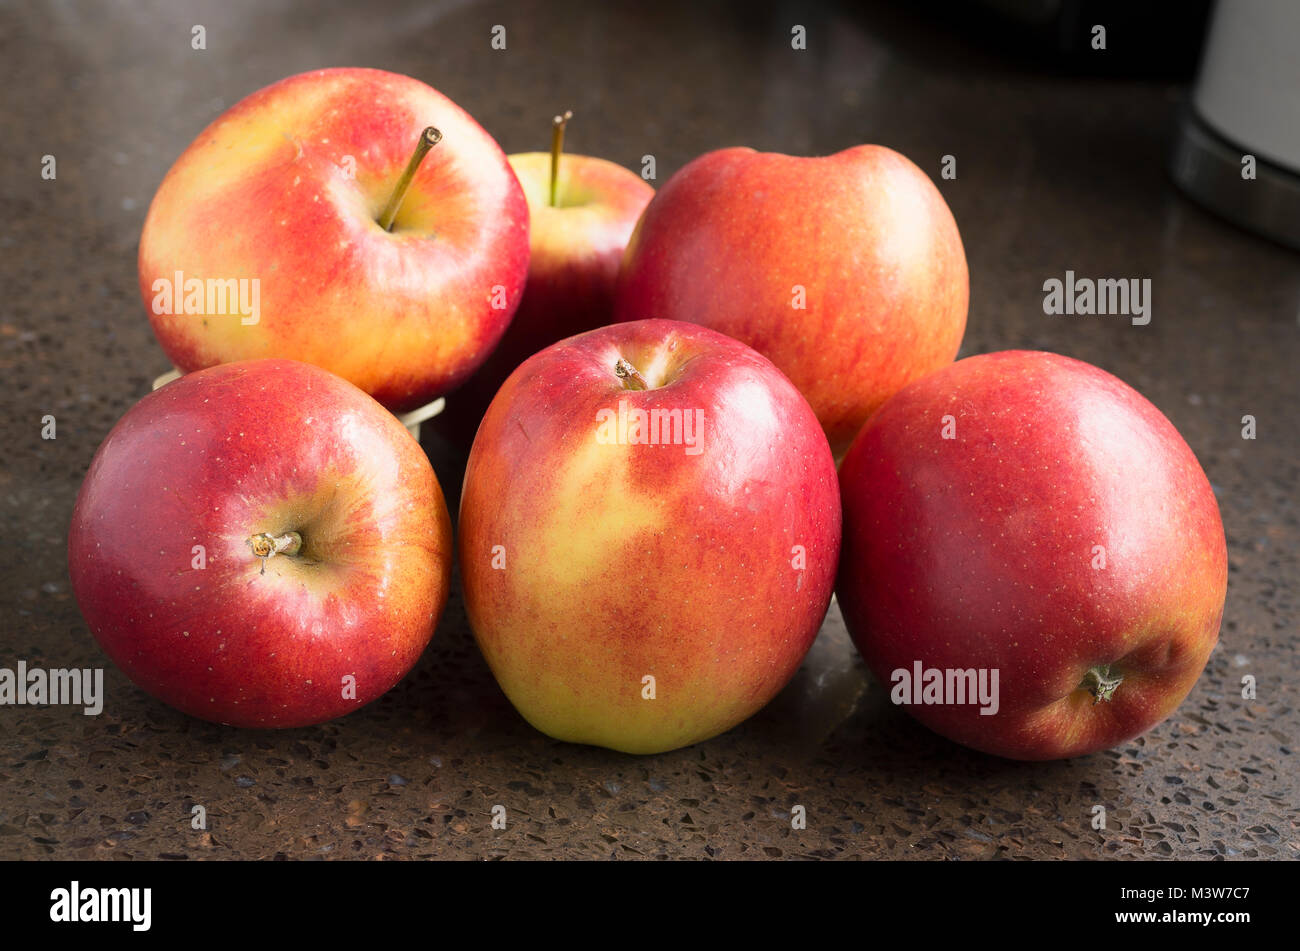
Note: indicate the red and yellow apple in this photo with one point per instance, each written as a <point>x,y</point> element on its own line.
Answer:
<point>649,529</point>
<point>286,189</point>
<point>1029,514</point>
<point>847,271</point>
<point>576,246</point>
<point>261,544</point>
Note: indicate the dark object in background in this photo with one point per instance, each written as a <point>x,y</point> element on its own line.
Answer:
<point>1152,40</point>
<point>1238,146</point>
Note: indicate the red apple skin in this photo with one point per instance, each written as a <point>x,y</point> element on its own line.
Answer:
<point>978,551</point>
<point>576,248</point>
<point>287,186</point>
<point>626,561</point>
<point>225,453</point>
<point>863,231</point>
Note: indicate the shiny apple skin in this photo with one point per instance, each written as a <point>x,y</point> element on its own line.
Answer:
<point>864,232</point>
<point>978,551</point>
<point>628,561</point>
<point>225,453</point>
<point>575,251</point>
<point>287,186</point>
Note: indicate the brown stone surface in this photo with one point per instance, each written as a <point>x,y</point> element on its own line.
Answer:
<point>1053,174</point>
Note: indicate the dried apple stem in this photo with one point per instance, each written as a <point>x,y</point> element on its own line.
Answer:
<point>557,146</point>
<point>631,377</point>
<point>428,139</point>
<point>267,546</point>
<point>1101,682</point>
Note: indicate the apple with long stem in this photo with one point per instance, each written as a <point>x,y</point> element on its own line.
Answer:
<point>299,224</point>
<point>261,544</point>
<point>582,211</point>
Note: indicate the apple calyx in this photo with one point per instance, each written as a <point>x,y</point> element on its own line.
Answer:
<point>428,139</point>
<point>631,377</point>
<point>557,146</point>
<point>266,546</point>
<point>1101,682</point>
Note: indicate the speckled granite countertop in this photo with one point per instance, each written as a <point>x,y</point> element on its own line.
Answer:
<point>1054,173</point>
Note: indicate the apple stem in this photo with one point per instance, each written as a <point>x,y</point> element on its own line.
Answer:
<point>557,146</point>
<point>268,546</point>
<point>1101,682</point>
<point>631,377</point>
<point>428,139</point>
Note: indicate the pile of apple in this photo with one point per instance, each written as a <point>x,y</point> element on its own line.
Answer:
<point>658,388</point>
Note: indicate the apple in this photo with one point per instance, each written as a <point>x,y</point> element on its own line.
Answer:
<point>847,271</point>
<point>576,244</point>
<point>649,529</point>
<point>1031,515</point>
<point>264,239</point>
<point>261,544</point>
